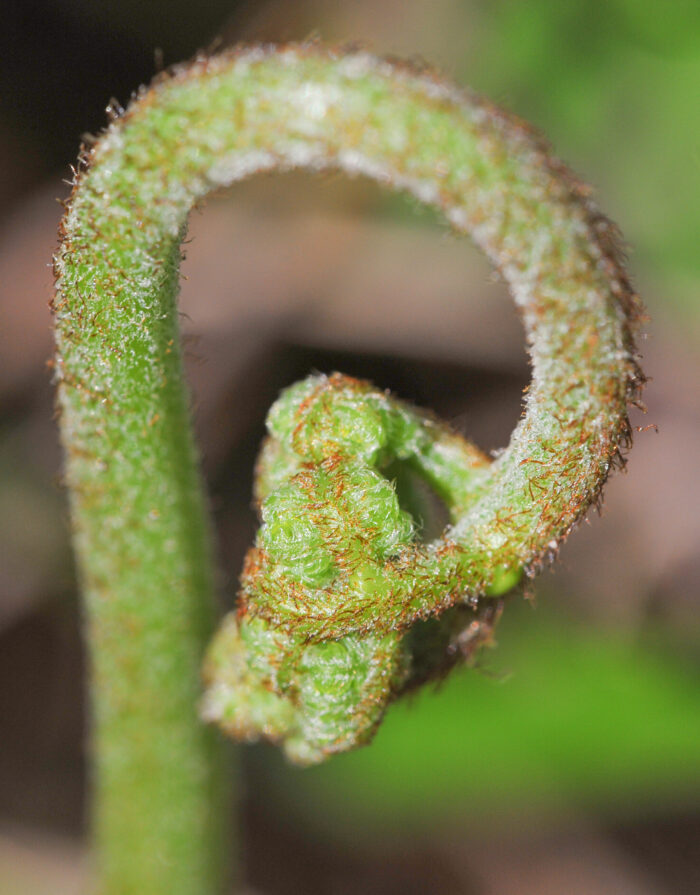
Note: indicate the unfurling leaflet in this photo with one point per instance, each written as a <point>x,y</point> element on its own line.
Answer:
<point>338,553</point>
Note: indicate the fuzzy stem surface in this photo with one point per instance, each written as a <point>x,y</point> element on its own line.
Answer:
<point>141,533</point>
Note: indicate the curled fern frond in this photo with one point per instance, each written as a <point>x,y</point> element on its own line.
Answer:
<point>338,553</point>
<point>136,499</point>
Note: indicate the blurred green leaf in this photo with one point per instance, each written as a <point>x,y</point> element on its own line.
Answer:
<point>614,83</point>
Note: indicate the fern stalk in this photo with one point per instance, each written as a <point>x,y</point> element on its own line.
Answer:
<point>141,530</point>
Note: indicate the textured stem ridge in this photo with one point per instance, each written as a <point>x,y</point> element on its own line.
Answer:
<point>141,534</point>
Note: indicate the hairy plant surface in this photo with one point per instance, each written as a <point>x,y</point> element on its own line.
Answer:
<point>341,607</point>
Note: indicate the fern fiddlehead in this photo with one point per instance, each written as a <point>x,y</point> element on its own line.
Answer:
<point>336,550</point>
<point>141,535</point>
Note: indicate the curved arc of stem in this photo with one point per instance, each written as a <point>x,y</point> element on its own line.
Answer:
<point>141,528</point>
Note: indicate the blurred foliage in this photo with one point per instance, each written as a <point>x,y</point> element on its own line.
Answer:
<point>614,84</point>
<point>563,716</point>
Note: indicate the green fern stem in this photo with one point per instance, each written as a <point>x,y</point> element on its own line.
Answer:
<point>141,533</point>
